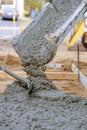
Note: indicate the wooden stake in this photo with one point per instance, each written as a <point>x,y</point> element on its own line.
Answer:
<point>78,59</point>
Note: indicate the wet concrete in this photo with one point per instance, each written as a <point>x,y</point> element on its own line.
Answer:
<point>32,46</point>
<point>42,110</point>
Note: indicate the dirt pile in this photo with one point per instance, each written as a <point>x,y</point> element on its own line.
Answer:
<point>9,60</point>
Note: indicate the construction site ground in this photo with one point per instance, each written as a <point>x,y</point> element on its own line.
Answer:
<point>10,59</point>
<point>65,109</point>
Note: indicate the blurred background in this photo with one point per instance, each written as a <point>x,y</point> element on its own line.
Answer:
<point>15,15</point>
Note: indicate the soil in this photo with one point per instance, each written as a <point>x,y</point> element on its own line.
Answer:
<point>65,109</point>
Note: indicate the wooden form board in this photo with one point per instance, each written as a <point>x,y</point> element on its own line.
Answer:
<point>50,75</point>
<point>62,75</point>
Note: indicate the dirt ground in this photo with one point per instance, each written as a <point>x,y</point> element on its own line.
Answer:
<point>10,59</point>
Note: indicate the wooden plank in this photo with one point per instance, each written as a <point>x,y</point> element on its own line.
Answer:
<point>61,75</point>
<point>50,75</point>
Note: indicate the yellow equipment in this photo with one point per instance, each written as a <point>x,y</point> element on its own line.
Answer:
<point>72,29</point>
<point>78,32</point>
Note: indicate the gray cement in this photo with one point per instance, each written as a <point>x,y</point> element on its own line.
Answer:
<point>42,110</point>
<point>32,46</point>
